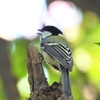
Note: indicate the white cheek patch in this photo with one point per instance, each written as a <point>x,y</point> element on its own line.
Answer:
<point>46,33</point>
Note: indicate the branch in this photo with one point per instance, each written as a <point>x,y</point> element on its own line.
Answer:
<point>40,90</point>
<point>8,80</point>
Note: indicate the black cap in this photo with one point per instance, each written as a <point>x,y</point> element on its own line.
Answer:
<point>54,30</point>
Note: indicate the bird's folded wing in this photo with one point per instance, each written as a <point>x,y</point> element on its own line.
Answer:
<point>60,53</point>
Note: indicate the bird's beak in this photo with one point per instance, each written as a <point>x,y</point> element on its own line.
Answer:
<point>39,33</point>
<point>39,30</point>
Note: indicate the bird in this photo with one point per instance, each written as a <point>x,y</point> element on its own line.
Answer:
<point>56,52</point>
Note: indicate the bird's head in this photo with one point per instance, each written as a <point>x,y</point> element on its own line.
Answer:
<point>47,31</point>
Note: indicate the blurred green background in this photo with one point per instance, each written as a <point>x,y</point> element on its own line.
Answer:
<point>83,35</point>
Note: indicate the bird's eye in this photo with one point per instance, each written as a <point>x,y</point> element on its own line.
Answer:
<point>39,33</point>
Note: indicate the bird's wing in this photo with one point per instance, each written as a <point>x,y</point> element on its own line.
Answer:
<point>60,53</point>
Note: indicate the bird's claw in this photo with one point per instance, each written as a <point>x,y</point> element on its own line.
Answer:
<point>41,57</point>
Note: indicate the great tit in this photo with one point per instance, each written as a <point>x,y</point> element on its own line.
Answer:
<point>56,52</point>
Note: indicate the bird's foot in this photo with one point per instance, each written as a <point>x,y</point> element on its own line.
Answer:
<point>41,57</point>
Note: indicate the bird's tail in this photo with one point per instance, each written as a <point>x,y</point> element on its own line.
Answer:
<point>65,80</point>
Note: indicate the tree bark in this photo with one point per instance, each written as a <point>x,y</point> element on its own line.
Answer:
<point>39,88</point>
